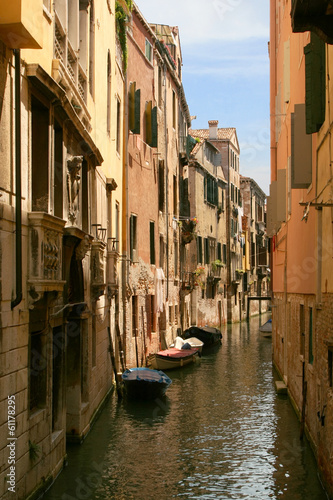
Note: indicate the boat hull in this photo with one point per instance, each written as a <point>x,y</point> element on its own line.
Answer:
<point>172,358</point>
<point>143,383</point>
<point>210,336</point>
<point>266,328</point>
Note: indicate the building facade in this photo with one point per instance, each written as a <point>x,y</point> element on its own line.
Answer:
<point>61,184</point>
<point>256,278</point>
<point>299,219</point>
<point>226,143</point>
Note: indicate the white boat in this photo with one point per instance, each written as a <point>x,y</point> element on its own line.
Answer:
<point>192,341</point>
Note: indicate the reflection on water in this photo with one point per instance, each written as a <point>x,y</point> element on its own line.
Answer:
<point>220,433</point>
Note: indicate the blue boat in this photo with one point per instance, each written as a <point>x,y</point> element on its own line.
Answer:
<point>144,383</point>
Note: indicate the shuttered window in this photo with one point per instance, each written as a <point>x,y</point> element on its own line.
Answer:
<point>199,250</point>
<point>314,84</point>
<point>152,242</point>
<point>206,249</point>
<point>134,103</point>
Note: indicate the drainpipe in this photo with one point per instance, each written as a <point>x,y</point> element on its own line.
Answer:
<point>166,186</point>
<point>125,218</point>
<point>18,208</point>
<point>229,308</point>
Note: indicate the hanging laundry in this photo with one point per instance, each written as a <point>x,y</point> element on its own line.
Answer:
<point>159,289</point>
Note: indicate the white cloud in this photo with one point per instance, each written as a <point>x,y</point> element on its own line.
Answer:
<point>211,20</point>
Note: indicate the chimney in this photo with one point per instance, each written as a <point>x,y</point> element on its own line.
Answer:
<point>213,129</point>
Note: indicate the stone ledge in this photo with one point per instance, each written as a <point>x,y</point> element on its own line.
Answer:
<point>281,387</point>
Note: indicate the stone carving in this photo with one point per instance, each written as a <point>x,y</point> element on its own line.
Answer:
<point>83,248</point>
<point>51,254</point>
<point>74,165</point>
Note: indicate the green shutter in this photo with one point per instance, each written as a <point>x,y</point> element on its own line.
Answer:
<point>315,91</point>
<point>153,143</point>
<point>152,242</point>
<point>137,112</point>
<point>131,106</point>
<point>190,143</point>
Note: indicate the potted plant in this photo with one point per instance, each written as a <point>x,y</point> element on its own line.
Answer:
<point>188,227</point>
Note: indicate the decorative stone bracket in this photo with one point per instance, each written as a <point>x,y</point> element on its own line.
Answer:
<point>113,285</point>
<point>45,254</point>
<point>97,269</point>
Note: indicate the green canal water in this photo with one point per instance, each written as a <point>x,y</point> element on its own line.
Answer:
<point>221,432</point>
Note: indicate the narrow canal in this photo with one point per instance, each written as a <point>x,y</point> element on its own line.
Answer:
<point>221,433</point>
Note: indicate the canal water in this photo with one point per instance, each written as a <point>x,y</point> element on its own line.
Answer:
<point>221,432</point>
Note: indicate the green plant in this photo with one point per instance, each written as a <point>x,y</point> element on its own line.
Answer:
<point>216,263</point>
<point>34,451</point>
<point>123,10</point>
<point>240,271</point>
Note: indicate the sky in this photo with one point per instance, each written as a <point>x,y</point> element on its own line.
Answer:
<point>225,69</point>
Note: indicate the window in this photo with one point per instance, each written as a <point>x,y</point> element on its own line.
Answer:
<point>92,49</point>
<point>148,50</point>
<point>117,226</point>
<point>161,185</point>
<point>206,250</point>
<point>58,351</point>
<point>175,249</point>
<point>199,250</point>
<point>302,328</point>
<point>310,336</point>
<point>219,252</point>
<point>315,82</point>
<point>161,252</point>
<point>151,315</point>
<point>134,102</point>
<point>210,190</point>
<point>152,242</point>
<point>151,124</point>
<point>175,195</point>
<point>133,238</point>
<point>224,253</point>
<point>58,170</point>
<point>160,86</point>
<point>108,95</point>
<point>212,249</point>
<point>135,315</point>
<point>40,155</point>
<point>38,361</point>
<point>118,127</point>
<point>330,366</point>
<point>174,109</point>
<point>70,42</point>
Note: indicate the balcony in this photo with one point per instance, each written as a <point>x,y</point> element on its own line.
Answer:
<point>21,24</point>
<point>45,253</point>
<point>313,15</point>
<point>113,258</point>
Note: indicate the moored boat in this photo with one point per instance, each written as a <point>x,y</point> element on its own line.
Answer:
<point>194,343</point>
<point>209,335</point>
<point>266,328</point>
<point>144,383</point>
<point>172,358</point>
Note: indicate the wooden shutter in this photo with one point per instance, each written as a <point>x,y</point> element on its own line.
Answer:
<point>137,112</point>
<point>314,84</point>
<point>153,143</point>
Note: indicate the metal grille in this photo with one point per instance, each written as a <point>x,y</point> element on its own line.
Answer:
<point>71,66</point>
<point>58,44</point>
<point>82,86</point>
